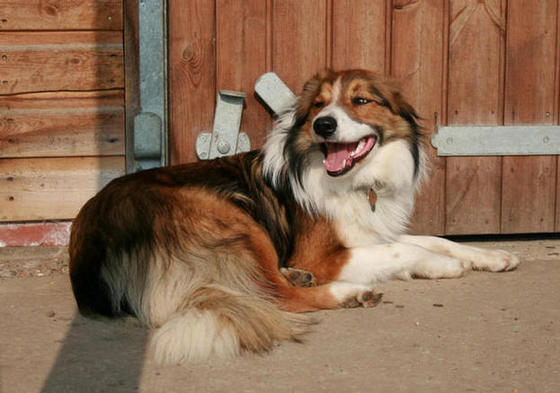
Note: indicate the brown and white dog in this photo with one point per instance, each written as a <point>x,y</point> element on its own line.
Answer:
<point>208,252</point>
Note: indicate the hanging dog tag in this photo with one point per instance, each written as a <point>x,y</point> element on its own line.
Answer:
<point>372,198</point>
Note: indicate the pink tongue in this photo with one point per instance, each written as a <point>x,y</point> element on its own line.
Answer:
<point>338,156</point>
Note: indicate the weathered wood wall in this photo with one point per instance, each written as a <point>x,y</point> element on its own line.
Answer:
<point>460,62</point>
<point>61,105</point>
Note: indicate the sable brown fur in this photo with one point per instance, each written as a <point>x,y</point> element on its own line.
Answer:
<point>199,246</point>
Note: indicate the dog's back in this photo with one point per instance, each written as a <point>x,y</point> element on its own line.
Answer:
<point>176,248</point>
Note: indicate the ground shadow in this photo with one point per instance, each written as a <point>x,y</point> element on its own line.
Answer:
<point>99,356</point>
<point>105,355</point>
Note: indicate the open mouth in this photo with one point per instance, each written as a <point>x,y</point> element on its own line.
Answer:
<point>341,157</point>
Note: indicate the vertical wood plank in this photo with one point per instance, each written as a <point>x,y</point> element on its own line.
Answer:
<point>192,92</point>
<point>241,58</point>
<point>476,47</point>
<point>131,77</point>
<point>359,29</point>
<point>299,40</point>
<point>417,62</point>
<point>529,183</point>
<point>557,116</point>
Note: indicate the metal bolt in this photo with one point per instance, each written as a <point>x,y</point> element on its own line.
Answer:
<point>223,146</point>
<point>4,57</point>
<point>203,155</point>
<point>547,114</point>
<point>546,139</point>
<point>449,141</point>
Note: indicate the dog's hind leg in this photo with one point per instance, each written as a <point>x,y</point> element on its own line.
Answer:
<point>480,259</point>
<point>303,299</point>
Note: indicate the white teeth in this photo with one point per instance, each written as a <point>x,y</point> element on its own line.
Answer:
<point>359,147</point>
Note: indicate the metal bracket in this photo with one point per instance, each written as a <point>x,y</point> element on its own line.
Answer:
<point>274,93</point>
<point>225,138</point>
<point>497,140</point>
<point>150,125</point>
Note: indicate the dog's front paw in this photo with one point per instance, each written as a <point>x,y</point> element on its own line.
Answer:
<point>366,299</point>
<point>298,277</point>
<point>496,261</point>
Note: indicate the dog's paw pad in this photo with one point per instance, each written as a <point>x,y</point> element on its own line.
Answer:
<point>508,260</point>
<point>363,299</point>
<point>298,277</point>
<point>497,261</point>
<point>369,298</point>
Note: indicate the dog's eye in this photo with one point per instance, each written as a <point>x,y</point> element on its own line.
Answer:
<point>360,101</point>
<point>318,104</point>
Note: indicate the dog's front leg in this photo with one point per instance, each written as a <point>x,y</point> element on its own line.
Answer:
<point>374,264</point>
<point>481,259</point>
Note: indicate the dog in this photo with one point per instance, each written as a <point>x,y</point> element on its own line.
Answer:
<point>222,256</point>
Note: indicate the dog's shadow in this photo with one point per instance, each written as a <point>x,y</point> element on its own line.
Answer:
<point>99,356</point>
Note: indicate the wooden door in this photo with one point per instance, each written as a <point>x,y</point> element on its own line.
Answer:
<point>459,62</point>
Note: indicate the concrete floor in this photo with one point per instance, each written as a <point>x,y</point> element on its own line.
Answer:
<point>482,333</point>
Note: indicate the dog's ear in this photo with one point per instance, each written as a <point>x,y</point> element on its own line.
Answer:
<point>390,96</point>
<point>402,107</point>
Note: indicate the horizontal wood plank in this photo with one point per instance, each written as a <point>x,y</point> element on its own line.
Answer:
<point>62,124</point>
<point>61,15</point>
<point>52,188</point>
<point>54,61</point>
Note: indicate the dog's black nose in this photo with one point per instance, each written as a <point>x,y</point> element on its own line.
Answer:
<point>325,126</point>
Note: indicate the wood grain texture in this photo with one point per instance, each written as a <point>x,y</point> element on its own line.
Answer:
<point>62,124</point>
<point>241,58</point>
<point>299,40</point>
<point>54,61</point>
<point>529,183</point>
<point>359,30</point>
<point>52,188</point>
<point>131,78</point>
<point>557,117</point>
<point>61,15</point>
<point>473,184</point>
<point>192,72</point>
<point>417,63</point>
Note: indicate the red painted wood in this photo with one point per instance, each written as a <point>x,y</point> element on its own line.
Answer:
<point>51,234</point>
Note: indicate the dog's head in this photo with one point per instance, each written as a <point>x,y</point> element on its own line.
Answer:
<point>344,129</point>
<point>347,114</point>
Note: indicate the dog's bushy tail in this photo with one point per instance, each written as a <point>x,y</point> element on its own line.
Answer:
<point>219,323</point>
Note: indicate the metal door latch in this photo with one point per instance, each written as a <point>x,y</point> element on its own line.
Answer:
<point>225,139</point>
